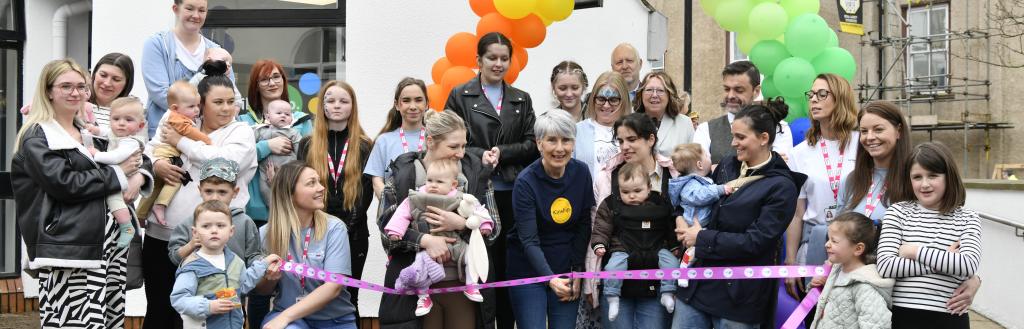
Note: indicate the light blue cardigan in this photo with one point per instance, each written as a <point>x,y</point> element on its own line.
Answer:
<point>160,68</point>
<point>584,149</point>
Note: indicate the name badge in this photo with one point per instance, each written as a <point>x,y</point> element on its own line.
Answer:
<point>646,224</point>
<point>831,212</point>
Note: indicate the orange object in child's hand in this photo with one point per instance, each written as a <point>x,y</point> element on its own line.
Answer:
<point>225,293</point>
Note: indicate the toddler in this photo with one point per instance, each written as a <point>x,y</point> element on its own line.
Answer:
<point>278,123</point>
<point>440,191</point>
<point>636,226</point>
<point>208,283</point>
<point>855,295</point>
<point>126,120</point>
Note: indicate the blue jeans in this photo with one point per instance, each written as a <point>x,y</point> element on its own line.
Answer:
<point>645,313</point>
<point>619,262</point>
<point>687,317</point>
<point>536,306</point>
<point>342,322</point>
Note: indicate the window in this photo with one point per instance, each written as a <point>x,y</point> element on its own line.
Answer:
<point>928,52</point>
<point>12,38</point>
<point>734,49</point>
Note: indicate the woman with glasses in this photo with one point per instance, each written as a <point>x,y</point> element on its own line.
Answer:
<point>173,55</point>
<point>660,101</point>
<point>567,85</point>
<point>826,156</point>
<point>595,139</point>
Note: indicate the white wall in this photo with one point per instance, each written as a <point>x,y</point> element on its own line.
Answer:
<point>1001,294</point>
<point>123,26</point>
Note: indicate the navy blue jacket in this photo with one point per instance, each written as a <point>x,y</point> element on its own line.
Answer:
<point>745,229</point>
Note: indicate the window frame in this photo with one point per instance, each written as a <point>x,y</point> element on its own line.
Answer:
<point>12,40</point>
<point>732,49</point>
<point>914,82</point>
<point>221,18</point>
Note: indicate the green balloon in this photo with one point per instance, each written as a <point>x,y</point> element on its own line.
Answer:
<point>797,107</point>
<point>836,60</point>
<point>732,15</point>
<point>710,6</point>
<point>807,35</point>
<point>768,89</point>
<point>767,54</point>
<point>768,20</point>
<point>296,98</point>
<point>746,41</point>
<point>833,39</point>
<point>796,8</point>
<point>794,76</point>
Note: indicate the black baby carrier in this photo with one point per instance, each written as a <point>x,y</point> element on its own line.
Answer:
<point>643,230</point>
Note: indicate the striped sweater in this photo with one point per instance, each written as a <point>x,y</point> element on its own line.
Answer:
<point>928,282</point>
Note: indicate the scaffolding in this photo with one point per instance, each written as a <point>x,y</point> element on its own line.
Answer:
<point>939,92</point>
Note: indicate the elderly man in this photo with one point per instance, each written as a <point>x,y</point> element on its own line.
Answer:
<point>626,61</point>
<point>741,83</point>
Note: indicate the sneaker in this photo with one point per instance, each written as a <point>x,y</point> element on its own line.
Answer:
<point>423,305</point>
<point>613,308</point>
<point>474,295</point>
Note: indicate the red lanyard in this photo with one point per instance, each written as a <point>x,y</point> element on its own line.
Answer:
<point>405,144</point>
<point>305,252</point>
<point>336,171</point>
<point>497,107</point>
<point>833,179</point>
<point>869,204</point>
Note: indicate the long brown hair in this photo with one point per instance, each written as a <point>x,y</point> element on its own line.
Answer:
<point>394,117</point>
<point>356,137</point>
<point>260,70</point>
<point>284,220</point>
<point>936,157</point>
<point>844,116</point>
<point>859,181</point>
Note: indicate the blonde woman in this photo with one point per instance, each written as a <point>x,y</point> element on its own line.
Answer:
<point>301,232</point>
<point>595,138</point>
<point>60,198</point>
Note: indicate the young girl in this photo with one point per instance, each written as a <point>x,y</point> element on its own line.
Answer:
<point>929,244</point>
<point>403,131</point>
<point>855,296</point>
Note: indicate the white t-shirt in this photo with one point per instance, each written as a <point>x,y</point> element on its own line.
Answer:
<point>191,59</point>
<point>604,146</point>
<point>808,159</point>
<point>217,260</point>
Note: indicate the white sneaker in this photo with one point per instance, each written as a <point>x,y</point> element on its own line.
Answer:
<point>423,305</point>
<point>669,301</point>
<point>613,308</point>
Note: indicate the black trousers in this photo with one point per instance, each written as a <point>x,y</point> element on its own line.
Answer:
<point>358,240</point>
<point>158,272</point>
<point>497,254</point>
<point>904,318</point>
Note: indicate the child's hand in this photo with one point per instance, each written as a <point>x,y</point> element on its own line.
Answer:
<point>729,189</point>
<point>221,306</point>
<point>818,281</point>
<point>273,263</point>
<point>955,247</point>
<point>599,252</point>
<point>485,231</point>
<point>93,151</point>
<point>93,129</point>
<point>394,237</point>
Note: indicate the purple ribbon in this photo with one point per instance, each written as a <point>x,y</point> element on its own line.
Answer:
<point>801,311</point>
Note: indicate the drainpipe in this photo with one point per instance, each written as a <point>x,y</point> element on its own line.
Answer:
<point>60,25</point>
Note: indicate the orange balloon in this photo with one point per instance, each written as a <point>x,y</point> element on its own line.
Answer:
<point>520,54</point>
<point>456,76</point>
<point>494,22</point>
<point>513,70</point>
<point>482,7</point>
<point>460,49</point>
<point>437,96</point>
<point>440,66</point>
<point>528,31</point>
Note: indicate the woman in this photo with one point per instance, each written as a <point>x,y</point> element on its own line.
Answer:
<point>231,140</point>
<point>446,139</point>
<point>303,233</point>
<point>337,138</point>
<point>567,84</point>
<point>636,136</point>
<point>112,77</point>
<point>81,272</point>
<point>174,55</point>
<point>872,187</point>
<point>826,155</point>
<point>267,83</point>
<point>552,231</point>
<point>746,228</point>
<point>595,138</point>
<point>500,120</point>
<point>402,133</point>
<point>659,100</point>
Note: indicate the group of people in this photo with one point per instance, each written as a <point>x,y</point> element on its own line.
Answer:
<point>619,175</point>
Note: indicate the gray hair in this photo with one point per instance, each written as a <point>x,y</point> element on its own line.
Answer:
<point>555,123</point>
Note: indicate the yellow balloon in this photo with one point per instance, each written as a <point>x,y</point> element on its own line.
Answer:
<point>545,20</point>
<point>314,105</point>
<point>515,9</point>
<point>555,10</point>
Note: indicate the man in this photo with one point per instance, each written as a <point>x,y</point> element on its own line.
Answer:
<point>741,83</point>
<point>626,61</point>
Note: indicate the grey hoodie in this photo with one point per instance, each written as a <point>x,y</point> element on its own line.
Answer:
<point>861,299</point>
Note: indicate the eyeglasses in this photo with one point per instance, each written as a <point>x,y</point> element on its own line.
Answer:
<point>66,89</point>
<point>276,79</point>
<point>613,101</point>
<point>821,93</point>
<point>654,91</point>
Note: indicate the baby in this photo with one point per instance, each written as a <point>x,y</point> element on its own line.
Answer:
<point>278,123</point>
<point>126,120</point>
<point>183,108</point>
<point>694,194</point>
<point>218,55</point>
<point>440,191</point>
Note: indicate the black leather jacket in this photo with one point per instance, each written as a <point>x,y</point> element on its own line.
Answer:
<point>512,132</point>
<point>60,197</point>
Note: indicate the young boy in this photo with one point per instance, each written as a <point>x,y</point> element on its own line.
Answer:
<point>440,191</point>
<point>208,285</point>
<point>278,123</point>
<point>183,108</point>
<point>217,182</point>
<point>636,226</point>
<point>693,194</point>
<point>126,120</point>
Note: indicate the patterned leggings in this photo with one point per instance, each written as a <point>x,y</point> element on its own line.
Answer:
<point>85,298</point>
